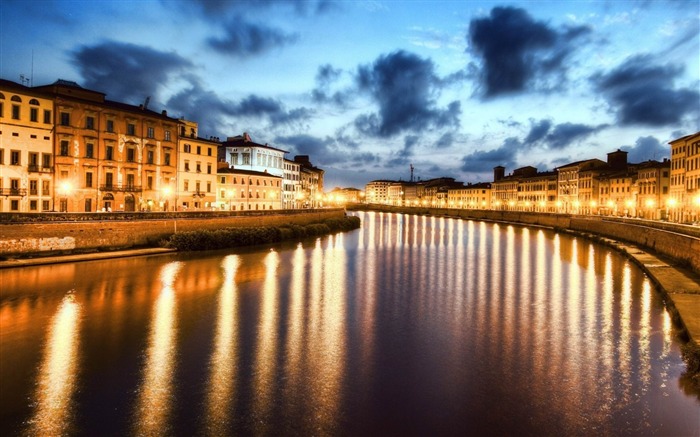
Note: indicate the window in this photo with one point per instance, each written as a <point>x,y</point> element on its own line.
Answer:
<point>167,158</point>
<point>64,148</point>
<point>47,116</point>
<point>209,168</point>
<point>33,114</point>
<point>89,122</point>
<point>223,179</point>
<point>46,160</point>
<point>151,132</point>
<point>88,205</point>
<point>188,148</point>
<point>130,154</point>
<point>14,187</point>
<point>34,160</point>
<point>2,159</point>
<point>14,157</point>
<point>186,185</point>
<point>130,180</point>
<point>34,187</point>
<point>199,150</point>
<point>149,156</point>
<point>197,186</point>
<point>15,112</point>
<point>89,150</point>
<point>149,182</point>
<point>130,129</point>
<point>209,152</point>
<point>199,167</point>
<point>45,205</point>
<point>88,180</point>
<point>109,180</point>
<point>208,187</point>
<point>167,135</point>
<point>110,125</point>
<point>14,205</point>
<point>109,153</point>
<point>65,119</point>
<point>187,165</point>
<point>45,188</point>
<point>246,158</point>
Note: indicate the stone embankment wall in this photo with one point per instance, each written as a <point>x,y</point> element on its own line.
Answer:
<point>678,242</point>
<point>54,234</point>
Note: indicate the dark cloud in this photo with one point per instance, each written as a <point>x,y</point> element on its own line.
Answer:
<point>445,141</point>
<point>214,114</point>
<point>519,53</point>
<point>243,38</point>
<point>483,161</point>
<point>127,72</point>
<point>403,156</point>
<point>643,93</point>
<point>325,151</point>
<point>404,86</point>
<point>646,148</point>
<point>325,78</point>
<point>217,8</point>
<point>538,131</point>
<point>565,134</point>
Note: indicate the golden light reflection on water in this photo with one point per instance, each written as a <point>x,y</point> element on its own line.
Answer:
<point>155,395</point>
<point>265,356</point>
<point>57,379</point>
<point>224,364</point>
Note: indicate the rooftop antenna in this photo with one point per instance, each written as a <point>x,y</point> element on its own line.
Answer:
<point>411,172</point>
<point>145,104</point>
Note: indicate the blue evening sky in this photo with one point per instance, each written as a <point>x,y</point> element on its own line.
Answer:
<point>367,88</point>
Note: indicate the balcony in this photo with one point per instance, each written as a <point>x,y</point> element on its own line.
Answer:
<point>34,168</point>
<point>13,192</point>
<point>124,187</point>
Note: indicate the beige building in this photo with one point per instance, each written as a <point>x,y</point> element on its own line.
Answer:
<point>247,190</point>
<point>109,156</point>
<point>471,196</point>
<point>291,192</point>
<point>197,169</point>
<point>26,149</point>
<point>653,179</point>
<point>684,195</point>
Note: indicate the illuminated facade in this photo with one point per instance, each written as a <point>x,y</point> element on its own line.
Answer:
<point>197,167</point>
<point>26,149</point>
<point>471,196</point>
<point>246,190</point>
<point>684,196</point>
<point>291,192</point>
<point>109,156</point>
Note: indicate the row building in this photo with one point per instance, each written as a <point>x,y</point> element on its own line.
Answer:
<point>70,149</point>
<point>667,189</point>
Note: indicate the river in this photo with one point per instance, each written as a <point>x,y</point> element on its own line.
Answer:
<point>411,325</point>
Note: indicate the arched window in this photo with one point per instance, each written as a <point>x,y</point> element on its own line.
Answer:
<point>16,99</point>
<point>34,102</point>
<point>2,96</point>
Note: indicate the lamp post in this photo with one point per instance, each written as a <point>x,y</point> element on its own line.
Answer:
<point>166,194</point>
<point>65,191</point>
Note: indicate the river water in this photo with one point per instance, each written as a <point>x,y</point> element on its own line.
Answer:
<point>411,325</point>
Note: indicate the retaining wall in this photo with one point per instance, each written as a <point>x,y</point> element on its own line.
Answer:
<point>93,233</point>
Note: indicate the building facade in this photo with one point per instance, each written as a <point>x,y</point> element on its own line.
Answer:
<point>197,169</point>
<point>26,149</point>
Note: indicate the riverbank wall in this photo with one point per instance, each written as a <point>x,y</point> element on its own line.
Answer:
<point>25,235</point>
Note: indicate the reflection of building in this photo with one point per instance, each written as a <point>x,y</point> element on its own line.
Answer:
<point>108,155</point>
<point>684,201</point>
<point>26,149</point>
<point>246,190</point>
<point>196,186</point>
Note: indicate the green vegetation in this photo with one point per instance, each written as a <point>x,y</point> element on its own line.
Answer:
<point>235,237</point>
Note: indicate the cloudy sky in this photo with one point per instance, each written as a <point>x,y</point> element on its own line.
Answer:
<point>367,88</point>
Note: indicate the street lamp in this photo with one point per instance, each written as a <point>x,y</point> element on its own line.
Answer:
<point>65,191</point>
<point>166,194</point>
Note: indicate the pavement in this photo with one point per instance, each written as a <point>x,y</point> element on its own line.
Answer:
<point>24,262</point>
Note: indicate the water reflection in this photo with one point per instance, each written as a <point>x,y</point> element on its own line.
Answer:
<point>58,373</point>
<point>224,363</point>
<point>412,325</point>
<point>155,396</point>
